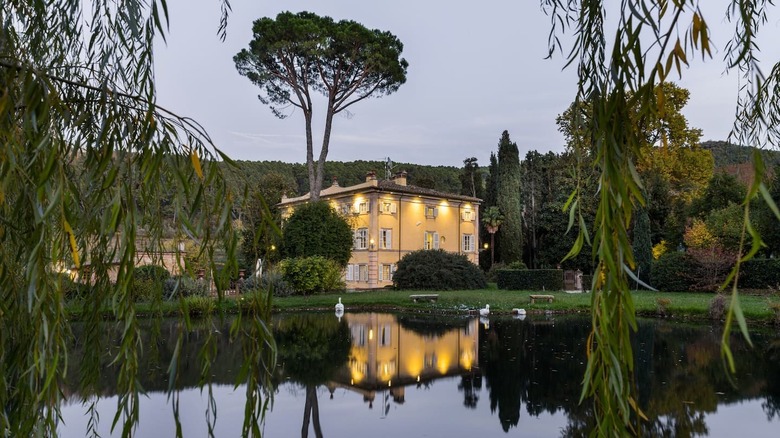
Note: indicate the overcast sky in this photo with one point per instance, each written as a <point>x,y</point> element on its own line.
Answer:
<point>475,69</point>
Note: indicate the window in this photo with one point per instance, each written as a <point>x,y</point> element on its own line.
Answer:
<point>386,272</point>
<point>384,335</point>
<point>357,273</point>
<point>361,238</point>
<point>469,215</point>
<point>386,238</point>
<point>431,212</point>
<point>387,207</point>
<point>364,207</point>
<point>346,209</point>
<point>468,243</point>
<point>431,240</point>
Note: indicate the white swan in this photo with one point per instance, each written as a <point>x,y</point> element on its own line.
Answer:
<point>518,311</point>
<point>485,311</point>
<point>339,306</point>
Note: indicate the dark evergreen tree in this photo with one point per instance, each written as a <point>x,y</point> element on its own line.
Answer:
<point>316,229</point>
<point>641,245</point>
<point>491,193</point>
<point>508,199</point>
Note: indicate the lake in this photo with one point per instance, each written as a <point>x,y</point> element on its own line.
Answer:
<point>387,375</point>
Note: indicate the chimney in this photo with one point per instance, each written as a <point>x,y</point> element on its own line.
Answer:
<point>335,182</point>
<point>400,178</point>
<point>371,176</point>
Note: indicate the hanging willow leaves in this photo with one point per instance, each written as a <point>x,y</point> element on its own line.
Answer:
<point>651,39</point>
<point>86,156</point>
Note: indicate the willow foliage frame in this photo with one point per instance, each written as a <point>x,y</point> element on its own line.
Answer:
<point>86,155</point>
<point>652,39</point>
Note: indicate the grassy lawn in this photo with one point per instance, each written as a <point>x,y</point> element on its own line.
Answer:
<point>682,305</point>
<point>764,308</point>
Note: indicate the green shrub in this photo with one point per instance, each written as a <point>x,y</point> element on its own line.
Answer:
<point>530,279</point>
<point>200,305</point>
<point>72,290</point>
<point>146,290</point>
<point>671,272</point>
<point>272,280</point>
<point>151,272</point>
<point>760,274</point>
<point>516,265</point>
<point>183,286</point>
<point>307,275</point>
<point>437,270</point>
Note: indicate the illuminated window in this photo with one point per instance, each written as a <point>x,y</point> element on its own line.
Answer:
<point>385,238</point>
<point>387,207</point>
<point>364,207</point>
<point>431,212</point>
<point>386,272</point>
<point>360,240</point>
<point>469,215</point>
<point>431,240</point>
<point>468,243</point>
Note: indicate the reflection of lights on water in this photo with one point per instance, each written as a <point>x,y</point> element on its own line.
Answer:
<point>418,378</point>
<point>370,334</point>
<point>351,381</point>
<point>389,383</point>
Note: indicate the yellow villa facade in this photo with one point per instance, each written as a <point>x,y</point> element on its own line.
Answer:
<point>391,218</point>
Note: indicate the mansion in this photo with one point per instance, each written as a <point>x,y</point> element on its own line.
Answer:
<point>391,218</point>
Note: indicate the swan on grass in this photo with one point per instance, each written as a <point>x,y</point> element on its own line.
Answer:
<point>485,311</point>
<point>517,311</point>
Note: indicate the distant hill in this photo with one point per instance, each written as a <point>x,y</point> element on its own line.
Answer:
<point>442,178</point>
<point>727,154</point>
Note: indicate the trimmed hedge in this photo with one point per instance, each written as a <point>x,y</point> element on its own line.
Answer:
<point>760,274</point>
<point>437,270</point>
<point>587,282</point>
<point>530,279</point>
<point>671,272</point>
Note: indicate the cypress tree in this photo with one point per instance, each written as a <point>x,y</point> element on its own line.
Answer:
<point>508,199</point>
<point>642,245</point>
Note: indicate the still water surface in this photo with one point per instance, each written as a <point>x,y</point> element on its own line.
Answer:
<point>384,375</point>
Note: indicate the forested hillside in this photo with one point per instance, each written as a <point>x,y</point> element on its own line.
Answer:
<point>294,176</point>
<point>728,154</point>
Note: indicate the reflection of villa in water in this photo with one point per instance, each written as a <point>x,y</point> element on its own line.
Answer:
<point>386,355</point>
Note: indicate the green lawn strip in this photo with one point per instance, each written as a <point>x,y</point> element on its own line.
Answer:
<point>757,308</point>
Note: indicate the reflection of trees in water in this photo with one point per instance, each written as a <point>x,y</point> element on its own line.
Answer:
<point>311,348</point>
<point>470,384</point>
<point>678,370</point>
<point>772,403</point>
<point>160,338</point>
<point>435,326</point>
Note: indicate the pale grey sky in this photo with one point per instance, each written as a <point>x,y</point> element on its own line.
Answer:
<point>475,69</point>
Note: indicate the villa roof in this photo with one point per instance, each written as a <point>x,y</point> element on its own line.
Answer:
<point>384,186</point>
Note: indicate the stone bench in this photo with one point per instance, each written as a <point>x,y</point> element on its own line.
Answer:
<point>549,298</point>
<point>429,297</point>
